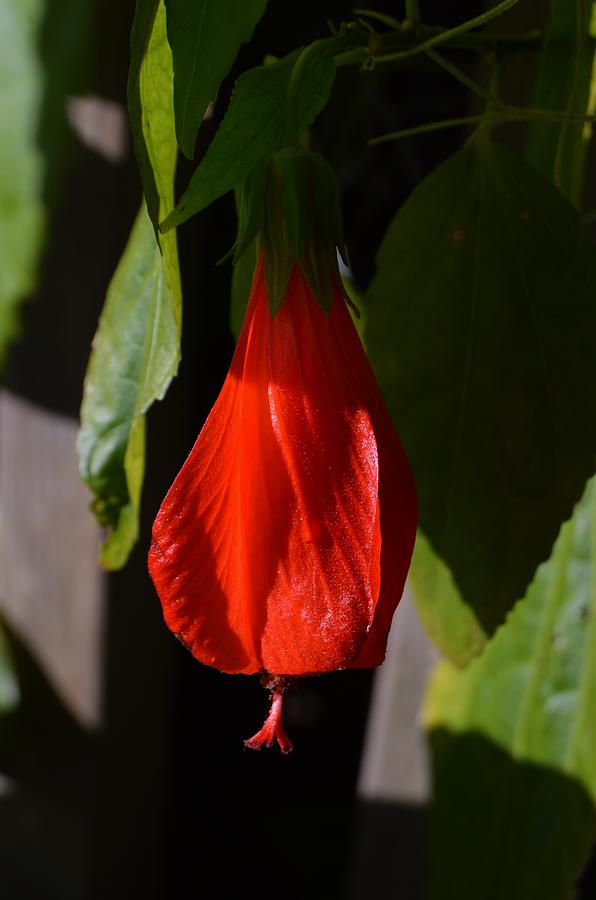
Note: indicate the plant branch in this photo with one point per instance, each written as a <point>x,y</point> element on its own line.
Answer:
<point>389,21</point>
<point>490,119</point>
<point>410,40</point>
<point>448,34</point>
<point>461,76</point>
<point>427,127</point>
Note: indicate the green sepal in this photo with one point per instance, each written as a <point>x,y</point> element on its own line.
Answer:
<point>290,200</point>
<point>251,209</point>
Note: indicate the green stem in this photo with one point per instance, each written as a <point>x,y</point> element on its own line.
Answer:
<point>461,76</point>
<point>559,163</point>
<point>450,33</point>
<point>422,36</point>
<point>527,113</point>
<point>412,11</point>
<point>497,117</point>
<point>427,127</point>
<point>315,51</point>
<point>376,16</point>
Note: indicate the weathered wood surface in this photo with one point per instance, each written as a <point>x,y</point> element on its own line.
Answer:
<point>51,589</point>
<point>391,827</point>
<point>395,764</point>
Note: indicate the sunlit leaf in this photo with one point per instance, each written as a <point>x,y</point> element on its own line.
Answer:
<point>252,128</point>
<point>205,36</point>
<point>447,619</point>
<point>138,87</point>
<point>482,329</point>
<point>134,358</point>
<point>514,739</point>
<point>21,165</point>
<point>137,346</point>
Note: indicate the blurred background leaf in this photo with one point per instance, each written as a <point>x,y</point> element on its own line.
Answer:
<point>43,60</point>
<point>482,330</point>
<point>513,739</point>
<point>205,36</point>
<point>21,161</point>
<point>9,688</point>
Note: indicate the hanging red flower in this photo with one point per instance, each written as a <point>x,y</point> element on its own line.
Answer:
<point>283,545</point>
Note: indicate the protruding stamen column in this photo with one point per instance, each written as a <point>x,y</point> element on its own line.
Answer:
<point>273,729</point>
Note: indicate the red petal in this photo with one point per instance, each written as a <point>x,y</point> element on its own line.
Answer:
<point>267,548</point>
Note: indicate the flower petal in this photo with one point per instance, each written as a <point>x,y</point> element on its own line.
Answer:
<point>267,551</point>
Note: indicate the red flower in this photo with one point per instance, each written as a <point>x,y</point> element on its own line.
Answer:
<point>283,545</point>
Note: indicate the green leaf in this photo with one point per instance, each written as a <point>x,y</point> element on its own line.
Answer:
<point>137,347</point>
<point>252,129</point>
<point>446,618</point>
<point>142,28</point>
<point>150,102</point>
<point>205,36</point>
<point>563,82</point>
<point>482,330</point>
<point>514,739</point>
<point>135,356</point>
<point>21,164</point>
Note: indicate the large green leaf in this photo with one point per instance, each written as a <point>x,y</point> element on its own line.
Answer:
<point>137,347</point>
<point>482,329</point>
<point>205,36</point>
<point>447,619</point>
<point>21,165</point>
<point>514,739</point>
<point>563,82</point>
<point>251,129</point>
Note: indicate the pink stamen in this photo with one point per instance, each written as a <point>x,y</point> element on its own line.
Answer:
<point>273,729</point>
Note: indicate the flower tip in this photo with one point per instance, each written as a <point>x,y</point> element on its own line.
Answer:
<point>273,729</point>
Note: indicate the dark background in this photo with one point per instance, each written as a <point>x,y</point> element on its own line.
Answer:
<point>164,803</point>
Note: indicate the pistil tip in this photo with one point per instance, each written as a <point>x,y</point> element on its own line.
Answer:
<point>273,729</point>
